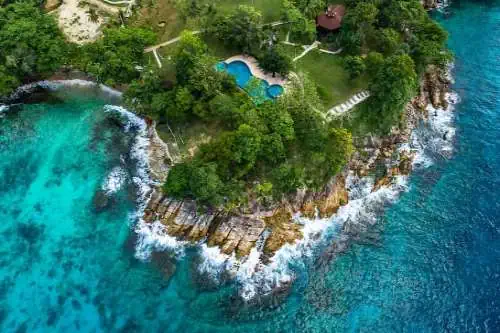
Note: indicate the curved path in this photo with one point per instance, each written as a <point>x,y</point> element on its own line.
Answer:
<point>168,42</point>
<point>176,39</point>
<point>307,50</point>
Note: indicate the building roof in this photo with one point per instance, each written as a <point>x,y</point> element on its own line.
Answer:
<point>331,19</point>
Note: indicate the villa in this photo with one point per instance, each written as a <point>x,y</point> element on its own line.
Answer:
<point>331,19</point>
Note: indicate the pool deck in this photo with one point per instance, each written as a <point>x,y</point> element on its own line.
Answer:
<point>257,71</point>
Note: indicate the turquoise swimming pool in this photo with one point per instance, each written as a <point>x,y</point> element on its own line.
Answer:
<point>241,72</point>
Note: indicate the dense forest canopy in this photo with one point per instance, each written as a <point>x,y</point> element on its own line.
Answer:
<point>31,45</point>
<point>261,149</point>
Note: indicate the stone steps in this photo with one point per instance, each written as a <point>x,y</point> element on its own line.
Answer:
<point>349,104</point>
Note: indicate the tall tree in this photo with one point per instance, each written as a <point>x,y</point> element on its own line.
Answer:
<point>274,60</point>
<point>241,29</point>
<point>31,44</point>
<point>393,86</point>
<point>117,55</point>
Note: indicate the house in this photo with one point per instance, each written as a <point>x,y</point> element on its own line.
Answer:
<point>331,19</point>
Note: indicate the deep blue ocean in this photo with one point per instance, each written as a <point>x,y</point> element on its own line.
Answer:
<point>68,257</point>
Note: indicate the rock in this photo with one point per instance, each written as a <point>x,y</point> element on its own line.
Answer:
<point>429,4</point>
<point>283,231</point>
<point>100,201</point>
<point>382,182</point>
<point>237,234</point>
<point>165,262</point>
<point>405,165</point>
<point>159,155</point>
<point>50,5</point>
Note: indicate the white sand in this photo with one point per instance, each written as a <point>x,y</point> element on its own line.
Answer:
<point>75,22</point>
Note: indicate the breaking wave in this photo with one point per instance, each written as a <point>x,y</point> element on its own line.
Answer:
<point>150,236</point>
<point>3,108</point>
<point>115,180</point>
<point>435,141</point>
<point>58,84</point>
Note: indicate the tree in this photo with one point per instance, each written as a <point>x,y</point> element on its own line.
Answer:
<point>31,44</point>
<point>310,8</point>
<point>117,55</point>
<point>194,180</point>
<point>403,15</point>
<point>177,184</point>
<point>241,29</point>
<point>140,93</point>
<point>206,185</point>
<point>355,66</point>
<point>256,90</point>
<point>277,120</point>
<point>301,27</point>
<point>274,60</point>
<point>92,14</point>
<point>373,63</point>
<point>187,53</point>
<point>7,82</point>
<point>357,25</point>
<point>388,41</point>
<point>393,86</point>
<point>222,107</point>
<point>286,179</point>
<point>273,149</point>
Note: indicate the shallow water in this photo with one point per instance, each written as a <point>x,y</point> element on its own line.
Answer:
<point>430,263</point>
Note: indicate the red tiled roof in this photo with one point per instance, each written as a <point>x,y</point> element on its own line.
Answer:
<point>332,18</point>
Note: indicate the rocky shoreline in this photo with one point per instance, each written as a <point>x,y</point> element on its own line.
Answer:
<point>273,227</point>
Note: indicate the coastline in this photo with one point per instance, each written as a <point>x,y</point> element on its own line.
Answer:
<point>256,248</point>
<point>350,203</point>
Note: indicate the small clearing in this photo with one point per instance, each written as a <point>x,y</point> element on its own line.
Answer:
<point>74,18</point>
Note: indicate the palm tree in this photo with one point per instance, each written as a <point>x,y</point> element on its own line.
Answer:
<point>93,16</point>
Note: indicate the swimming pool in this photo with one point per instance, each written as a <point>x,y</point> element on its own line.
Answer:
<point>241,72</point>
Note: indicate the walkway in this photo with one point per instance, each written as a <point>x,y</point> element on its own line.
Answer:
<point>176,39</point>
<point>307,50</point>
<point>349,105</point>
<point>257,71</point>
<point>168,42</point>
<point>157,58</point>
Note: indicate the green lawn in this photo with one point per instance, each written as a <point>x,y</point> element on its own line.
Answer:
<point>270,9</point>
<point>328,72</point>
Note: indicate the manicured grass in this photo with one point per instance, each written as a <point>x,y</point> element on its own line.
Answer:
<point>270,9</point>
<point>161,16</point>
<point>328,72</point>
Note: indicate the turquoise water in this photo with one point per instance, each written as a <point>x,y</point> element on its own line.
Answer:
<point>240,71</point>
<point>429,264</point>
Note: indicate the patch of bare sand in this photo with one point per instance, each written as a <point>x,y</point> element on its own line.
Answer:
<point>81,21</point>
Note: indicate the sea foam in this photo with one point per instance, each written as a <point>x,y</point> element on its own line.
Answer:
<point>58,84</point>
<point>435,140</point>
<point>150,236</point>
<point>3,108</point>
<point>115,180</point>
